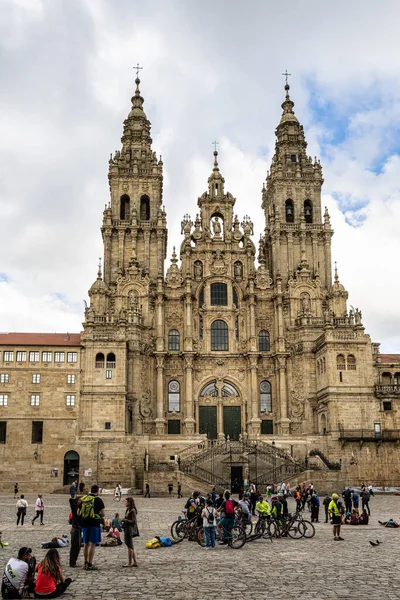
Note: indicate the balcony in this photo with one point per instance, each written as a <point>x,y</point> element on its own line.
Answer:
<point>369,435</point>
<point>384,391</point>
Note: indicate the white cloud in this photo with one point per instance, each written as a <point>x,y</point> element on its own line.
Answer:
<point>67,79</point>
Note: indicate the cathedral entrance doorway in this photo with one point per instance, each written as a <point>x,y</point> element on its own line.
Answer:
<point>236,479</point>
<point>208,421</point>
<point>71,467</point>
<point>232,422</point>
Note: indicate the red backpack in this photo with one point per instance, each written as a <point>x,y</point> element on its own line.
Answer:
<point>229,509</point>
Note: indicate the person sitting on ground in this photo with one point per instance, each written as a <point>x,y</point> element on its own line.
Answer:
<point>391,523</point>
<point>50,581</point>
<point>263,508</point>
<point>364,518</point>
<point>57,542</point>
<point>354,517</point>
<point>19,575</point>
<point>116,522</point>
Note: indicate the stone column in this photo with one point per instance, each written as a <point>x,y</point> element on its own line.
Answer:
<point>284,421</point>
<point>121,238</point>
<point>188,333</point>
<point>328,259</point>
<point>160,419</point>
<point>147,250</point>
<point>189,422</point>
<point>255,421</point>
<point>107,255</point>
<point>290,251</point>
<point>253,338</point>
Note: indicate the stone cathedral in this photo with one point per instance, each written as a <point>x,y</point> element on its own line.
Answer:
<point>235,360</point>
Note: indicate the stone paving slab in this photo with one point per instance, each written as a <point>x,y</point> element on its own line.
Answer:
<point>318,569</point>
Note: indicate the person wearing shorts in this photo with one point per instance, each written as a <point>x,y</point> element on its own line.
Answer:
<point>91,530</point>
<point>335,510</point>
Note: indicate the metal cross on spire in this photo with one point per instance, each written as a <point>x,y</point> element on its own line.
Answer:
<point>286,75</point>
<point>137,69</point>
<point>215,145</point>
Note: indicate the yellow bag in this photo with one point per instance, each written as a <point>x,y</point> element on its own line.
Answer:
<point>154,543</point>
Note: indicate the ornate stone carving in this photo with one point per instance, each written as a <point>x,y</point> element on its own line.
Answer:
<point>297,399</point>
<point>145,409</point>
<point>263,280</point>
<point>218,266</point>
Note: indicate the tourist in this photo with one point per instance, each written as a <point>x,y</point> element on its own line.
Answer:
<point>209,524</point>
<point>288,490</point>
<point>192,505</point>
<point>227,512</point>
<point>116,523</point>
<point>118,492</point>
<point>371,491</point>
<point>50,582</point>
<point>326,503</point>
<point>81,487</point>
<point>283,501</point>
<point>219,500</point>
<point>245,507</point>
<point>179,490</point>
<point>263,508</point>
<point>15,490</point>
<point>147,493</point>
<point>91,511</point>
<point>253,497</point>
<point>365,496</point>
<point>73,489</point>
<point>76,531</point>
<point>354,517</point>
<point>335,509</point>
<point>22,505</point>
<point>347,499</point>
<point>39,507</point>
<point>57,542</point>
<point>315,503</point>
<point>364,518</point>
<point>19,575</point>
<point>356,499</point>
<point>129,523</point>
<point>170,488</point>
<point>297,497</point>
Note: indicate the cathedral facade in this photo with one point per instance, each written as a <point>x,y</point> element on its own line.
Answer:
<point>232,342</point>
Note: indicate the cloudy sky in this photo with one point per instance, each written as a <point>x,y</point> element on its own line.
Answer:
<point>212,70</point>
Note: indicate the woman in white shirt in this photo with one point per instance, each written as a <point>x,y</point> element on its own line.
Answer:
<point>209,523</point>
<point>39,507</point>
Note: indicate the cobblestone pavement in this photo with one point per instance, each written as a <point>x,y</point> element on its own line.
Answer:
<point>320,568</point>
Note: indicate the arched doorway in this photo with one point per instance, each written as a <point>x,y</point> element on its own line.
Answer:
<point>220,411</point>
<point>71,467</point>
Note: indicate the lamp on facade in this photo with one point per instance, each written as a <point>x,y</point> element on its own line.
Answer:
<point>35,455</point>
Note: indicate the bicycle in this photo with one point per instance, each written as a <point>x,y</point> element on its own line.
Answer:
<point>265,527</point>
<point>184,528</point>
<point>234,536</point>
<point>245,522</point>
<point>307,527</point>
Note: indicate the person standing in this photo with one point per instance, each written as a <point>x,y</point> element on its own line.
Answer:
<point>179,490</point>
<point>209,523</point>
<point>76,531</point>
<point>50,582</point>
<point>22,505</point>
<point>118,492</point>
<point>314,507</point>
<point>15,490</point>
<point>335,509</point>
<point>39,507</point>
<point>170,488</point>
<point>73,489</point>
<point>365,500</point>
<point>91,512</point>
<point>147,492</point>
<point>326,503</point>
<point>129,523</point>
<point>19,575</point>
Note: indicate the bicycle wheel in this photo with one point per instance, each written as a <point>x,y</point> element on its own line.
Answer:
<point>201,540</point>
<point>237,537</point>
<point>247,526</point>
<point>295,530</point>
<point>308,529</point>
<point>178,529</point>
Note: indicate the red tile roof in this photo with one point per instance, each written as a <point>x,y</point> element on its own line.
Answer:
<point>40,339</point>
<point>389,358</point>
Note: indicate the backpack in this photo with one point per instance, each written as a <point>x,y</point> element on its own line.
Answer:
<point>154,543</point>
<point>86,510</point>
<point>210,517</point>
<point>229,509</point>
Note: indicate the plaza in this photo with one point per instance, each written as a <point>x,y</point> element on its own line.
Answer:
<point>286,568</point>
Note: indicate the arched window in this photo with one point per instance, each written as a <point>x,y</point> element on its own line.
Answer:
<point>263,341</point>
<point>289,211</point>
<point>173,340</point>
<point>396,379</point>
<point>124,207</point>
<point>351,362</point>
<point>308,211</point>
<point>323,424</point>
<point>110,364</point>
<point>265,397</point>
<point>144,208</point>
<point>201,328</point>
<point>209,390</point>
<point>229,390</point>
<point>340,362</point>
<point>319,366</point>
<point>99,360</point>
<point>324,365</point>
<point>174,396</point>
<point>219,294</point>
<point>219,336</point>
<point>201,297</point>
<point>386,378</point>
<point>235,297</point>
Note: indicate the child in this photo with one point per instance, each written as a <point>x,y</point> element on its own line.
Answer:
<point>50,582</point>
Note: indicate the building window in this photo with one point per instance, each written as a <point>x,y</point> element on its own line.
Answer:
<point>107,425</point>
<point>3,399</point>
<point>72,357</point>
<point>111,360</point>
<point>35,377</point>
<point>308,216</point>
<point>387,405</point>
<point>35,399</point>
<point>340,362</point>
<point>201,328</point>
<point>37,432</point>
<point>173,340</point>
<point>219,294</point>
<point>237,328</point>
<point>34,356</point>
<point>219,336</point>
<point>265,397</point>
<point>71,378</point>
<point>351,362</point>
<point>4,378</point>
<point>21,356</point>
<point>229,390</point>
<point>174,428</point>
<point>8,356</point>
<point>47,356</point>
<point>100,360</point>
<point>289,211</point>
<point>201,297</point>
<point>124,211</point>
<point>263,341</point>
<point>293,158</point>
<point>267,427</point>
<point>3,432</point>
<point>174,396</point>
<point>71,400</point>
<point>59,357</point>
<point>108,374</point>
<point>209,390</point>
<point>144,208</point>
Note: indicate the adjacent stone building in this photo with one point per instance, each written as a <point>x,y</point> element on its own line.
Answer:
<point>251,348</point>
